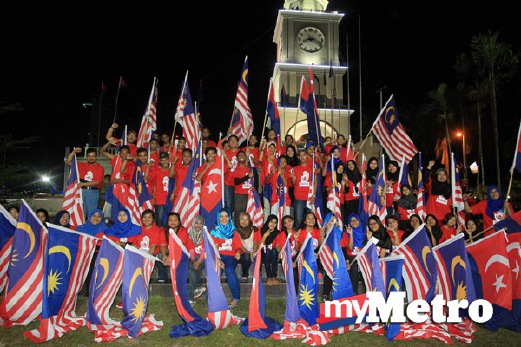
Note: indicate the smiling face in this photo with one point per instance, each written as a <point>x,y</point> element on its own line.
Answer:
<point>95,219</point>
<point>198,225</point>
<point>244,220</point>
<point>288,223</point>
<point>272,224</point>
<point>224,218</point>
<point>65,219</point>
<point>147,219</point>
<point>173,221</point>
<point>122,216</point>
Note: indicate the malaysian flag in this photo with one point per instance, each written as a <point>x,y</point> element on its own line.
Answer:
<point>242,120</point>
<point>103,287</point>
<point>419,272</point>
<point>334,263</point>
<point>309,283</point>
<point>73,199</point>
<point>139,198</point>
<point>391,133</point>
<point>254,208</point>
<point>66,266</point>
<point>117,194</point>
<point>193,324</point>
<point>392,276</point>
<point>187,117</point>
<point>218,311</point>
<point>420,204</point>
<point>315,189</point>
<point>188,202</point>
<point>370,267</point>
<point>334,195</point>
<point>149,120</point>
<point>7,229</point>
<point>363,211</point>
<point>457,193</point>
<point>282,200</point>
<point>22,299</point>
<point>374,203</point>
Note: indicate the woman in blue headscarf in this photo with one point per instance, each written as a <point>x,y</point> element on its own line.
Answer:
<point>123,230</point>
<point>352,242</point>
<point>493,209</point>
<point>229,245</point>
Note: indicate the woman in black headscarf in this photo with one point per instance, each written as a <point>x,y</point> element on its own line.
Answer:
<point>376,229</point>
<point>439,201</point>
<point>63,218</point>
<point>372,170</point>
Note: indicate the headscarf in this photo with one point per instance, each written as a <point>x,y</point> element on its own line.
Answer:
<point>122,230</point>
<point>494,205</point>
<point>91,229</point>
<point>353,175</point>
<point>335,160</point>
<point>265,228</point>
<point>371,174</point>
<point>358,232</point>
<point>441,188</point>
<point>223,231</point>
<point>335,228</point>
<point>59,216</point>
<point>407,202</point>
<point>245,232</point>
<point>393,176</point>
<point>384,241</point>
<point>194,235</point>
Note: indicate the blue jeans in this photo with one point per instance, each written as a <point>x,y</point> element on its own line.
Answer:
<point>270,261</point>
<point>230,264</point>
<point>245,264</point>
<point>160,209</point>
<point>229,198</point>
<point>90,201</point>
<point>195,278</point>
<point>300,209</point>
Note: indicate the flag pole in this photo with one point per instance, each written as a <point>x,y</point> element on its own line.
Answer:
<point>175,115</point>
<point>222,173</point>
<point>117,97</point>
<point>266,113</point>
<point>360,75</point>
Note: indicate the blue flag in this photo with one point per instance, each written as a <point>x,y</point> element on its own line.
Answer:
<point>7,229</point>
<point>368,262</point>
<point>392,275</point>
<point>308,291</point>
<point>193,323</point>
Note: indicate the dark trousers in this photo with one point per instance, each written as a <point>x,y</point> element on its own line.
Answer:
<point>245,262</point>
<point>270,261</point>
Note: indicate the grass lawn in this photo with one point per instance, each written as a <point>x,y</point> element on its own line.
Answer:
<point>164,310</point>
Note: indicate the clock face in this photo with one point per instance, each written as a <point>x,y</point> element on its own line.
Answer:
<point>310,39</point>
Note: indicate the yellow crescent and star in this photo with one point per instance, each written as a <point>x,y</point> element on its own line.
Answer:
<point>426,250</point>
<point>393,284</point>
<point>140,304</point>
<point>390,119</point>
<point>27,228</point>
<point>308,269</point>
<point>104,263</point>
<point>244,77</point>
<point>55,276</point>
<point>65,251</point>
<point>137,273</point>
<point>461,289</point>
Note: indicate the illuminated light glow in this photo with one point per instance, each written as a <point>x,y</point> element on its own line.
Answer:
<point>46,178</point>
<point>375,309</point>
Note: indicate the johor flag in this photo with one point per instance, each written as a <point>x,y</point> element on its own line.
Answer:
<point>392,277</point>
<point>66,265</point>
<point>137,269</point>
<point>420,273</point>
<point>117,194</point>
<point>491,272</point>
<point>212,192</point>
<point>242,120</point>
<point>370,267</point>
<point>7,229</point>
<point>22,300</point>
<point>188,202</point>
<point>511,224</point>
<point>516,163</point>
<point>103,287</point>
<point>187,117</point>
<point>258,325</point>
<point>73,199</point>
<point>292,329</point>
<point>420,191</point>
<point>218,311</point>
<point>334,263</point>
<point>391,134</point>
<point>308,290</point>
<point>272,111</point>
<point>149,120</point>
<point>193,323</point>
<point>374,203</point>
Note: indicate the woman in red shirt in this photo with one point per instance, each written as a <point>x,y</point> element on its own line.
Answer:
<point>174,222</point>
<point>449,229</point>
<point>392,230</point>
<point>229,245</point>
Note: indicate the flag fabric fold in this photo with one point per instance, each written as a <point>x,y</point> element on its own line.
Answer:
<point>187,117</point>
<point>374,201</point>
<point>22,299</point>
<point>66,264</point>
<point>193,324</point>
<point>391,134</point>
<point>73,197</point>
<point>516,163</point>
<point>257,324</point>
<point>7,229</point>
<point>391,268</point>
<point>139,199</point>
<point>149,120</point>
<point>218,311</point>
<point>242,119</point>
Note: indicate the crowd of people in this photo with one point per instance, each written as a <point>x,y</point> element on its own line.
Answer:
<point>269,166</point>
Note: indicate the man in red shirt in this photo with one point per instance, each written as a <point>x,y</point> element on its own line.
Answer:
<point>242,180</point>
<point>131,138</point>
<point>180,171</point>
<point>164,172</point>
<point>302,178</point>
<point>229,184</point>
<point>90,174</point>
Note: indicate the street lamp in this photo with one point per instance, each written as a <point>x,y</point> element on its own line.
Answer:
<point>462,135</point>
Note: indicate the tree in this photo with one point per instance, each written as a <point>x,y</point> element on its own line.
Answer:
<point>500,63</point>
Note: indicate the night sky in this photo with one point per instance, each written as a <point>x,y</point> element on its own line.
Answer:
<point>55,59</point>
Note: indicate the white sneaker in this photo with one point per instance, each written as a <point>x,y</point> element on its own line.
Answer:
<point>198,292</point>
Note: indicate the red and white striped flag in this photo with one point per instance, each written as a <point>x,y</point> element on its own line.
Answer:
<point>186,116</point>
<point>139,199</point>
<point>149,120</point>
<point>242,119</point>
<point>421,210</point>
<point>73,199</point>
<point>334,196</point>
<point>188,203</point>
<point>391,133</point>
<point>457,193</point>
<point>254,208</point>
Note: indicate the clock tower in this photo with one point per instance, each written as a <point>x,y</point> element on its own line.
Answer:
<point>308,36</point>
